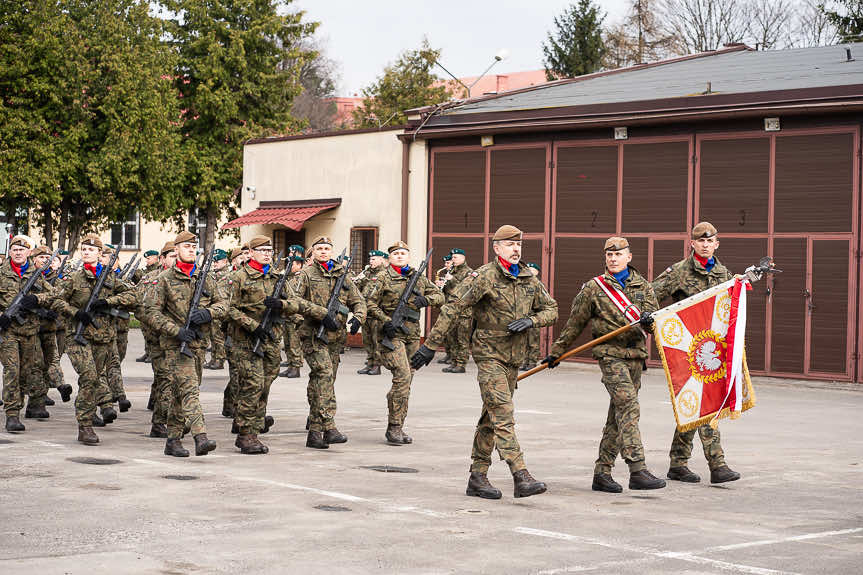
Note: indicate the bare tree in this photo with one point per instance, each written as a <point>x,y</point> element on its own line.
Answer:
<point>317,76</point>
<point>620,48</point>
<point>701,25</point>
<point>651,42</point>
<point>769,23</point>
<point>812,26</point>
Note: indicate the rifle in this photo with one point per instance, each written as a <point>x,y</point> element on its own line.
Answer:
<point>128,265</point>
<point>334,305</point>
<point>402,312</point>
<point>129,275</point>
<point>62,267</point>
<point>268,320</point>
<point>14,310</point>
<point>94,295</point>
<point>196,298</point>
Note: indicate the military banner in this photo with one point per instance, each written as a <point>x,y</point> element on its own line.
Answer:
<point>700,341</point>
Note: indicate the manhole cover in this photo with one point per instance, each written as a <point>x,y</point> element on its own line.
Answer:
<point>332,508</point>
<point>94,460</point>
<point>180,477</point>
<point>390,469</point>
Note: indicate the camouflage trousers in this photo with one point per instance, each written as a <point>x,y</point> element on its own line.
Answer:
<point>371,343</point>
<point>622,379</point>
<point>217,343</point>
<point>449,342</point>
<point>91,364</point>
<point>532,346</point>
<point>293,347</point>
<point>122,344</point>
<point>61,337</point>
<point>496,426</point>
<point>255,375</point>
<point>460,345</point>
<point>18,354</point>
<point>681,447</point>
<point>398,362</point>
<point>115,373</point>
<point>49,364</point>
<point>323,360</point>
<point>163,395</point>
<point>185,405</point>
<point>229,396</point>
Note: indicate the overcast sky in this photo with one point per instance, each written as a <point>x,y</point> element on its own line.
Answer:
<point>363,37</point>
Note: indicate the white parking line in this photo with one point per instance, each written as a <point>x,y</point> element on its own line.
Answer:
<point>784,539</point>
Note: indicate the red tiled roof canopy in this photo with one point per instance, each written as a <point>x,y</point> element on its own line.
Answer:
<point>289,214</point>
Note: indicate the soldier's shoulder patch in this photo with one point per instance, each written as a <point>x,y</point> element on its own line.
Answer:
<point>474,274</point>
<point>668,269</point>
<point>155,281</point>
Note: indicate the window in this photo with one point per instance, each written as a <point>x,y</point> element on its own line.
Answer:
<point>363,240</point>
<point>284,239</point>
<point>124,234</point>
<point>197,223</point>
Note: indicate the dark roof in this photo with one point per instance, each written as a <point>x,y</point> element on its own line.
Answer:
<point>351,132</point>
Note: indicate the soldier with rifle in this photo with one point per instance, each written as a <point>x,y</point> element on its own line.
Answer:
<point>61,266</point>
<point>371,327</point>
<point>395,297</point>
<point>441,277</point>
<point>325,282</point>
<point>458,339</point>
<point>121,320</point>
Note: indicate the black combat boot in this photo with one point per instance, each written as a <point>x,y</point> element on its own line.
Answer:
<point>36,413</point>
<point>215,364</point>
<point>97,421</point>
<point>445,359</point>
<point>365,369</point>
<point>175,448</point>
<point>109,414</point>
<point>525,485</point>
<point>335,436</point>
<point>268,423</point>
<point>291,373</point>
<point>249,444</point>
<point>235,429</point>
<point>124,404</point>
<point>285,363</point>
<point>374,370</point>
<point>723,474</point>
<point>478,486</point>
<point>158,430</point>
<point>87,436</point>
<point>308,422</point>
<point>645,480</point>
<point>203,446</point>
<point>14,424</point>
<point>605,482</point>
<point>151,401</point>
<point>682,473</point>
<point>394,434</point>
<point>65,392</point>
<point>48,401</point>
<point>316,440</point>
<point>143,359</point>
<point>454,368</point>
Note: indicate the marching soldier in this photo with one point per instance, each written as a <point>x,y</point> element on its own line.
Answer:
<point>383,294</point>
<point>251,295</point>
<point>459,346</point>
<point>698,272</point>
<point>62,256</point>
<point>151,262</point>
<point>605,302</point>
<point>371,327</point>
<point>121,342</point>
<point>533,333</point>
<point>440,278</point>
<point>506,301</point>
<point>171,304</point>
<point>221,273</point>
<point>315,283</point>
<point>293,348</point>
<point>229,397</point>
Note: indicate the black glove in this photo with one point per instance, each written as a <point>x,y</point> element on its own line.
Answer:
<point>329,323</point>
<point>354,325</point>
<point>100,306</point>
<point>520,325</point>
<point>389,329</point>
<point>50,315</point>
<point>200,316</point>
<point>646,321</point>
<point>5,321</point>
<point>422,357</point>
<point>187,335</point>
<point>420,300</point>
<point>83,317</point>
<point>552,361</point>
<point>273,302</point>
<point>260,334</point>
<point>29,302</point>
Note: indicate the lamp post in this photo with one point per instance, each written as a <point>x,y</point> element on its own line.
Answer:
<point>502,54</point>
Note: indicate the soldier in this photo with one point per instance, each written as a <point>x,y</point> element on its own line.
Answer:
<point>315,283</point>
<point>19,348</point>
<point>251,295</point>
<point>506,300</point>
<point>440,278</point>
<point>698,272</point>
<point>383,293</point>
<point>91,359</point>
<point>171,304</point>
<point>229,396</point>
<point>152,262</point>
<point>532,334</point>
<point>621,360</point>
<point>221,273</point>
<point>293,348</point>
<point>371,327</point>
<point>120,343</point>
<point>62,256</point>
<point>459,336</point>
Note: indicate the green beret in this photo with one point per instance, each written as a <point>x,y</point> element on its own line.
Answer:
<point>63,253</point>
<point>219,254</point>
<point>111,246</point>
<point>150,253</point>
<point>378,253</point>
<point>533,265</point>
<point>447,257</point>
<point>300,259</point>
<point>297,248</point>
<point>457,251</point>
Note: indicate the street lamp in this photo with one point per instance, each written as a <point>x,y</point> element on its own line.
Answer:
<point>502,54</point>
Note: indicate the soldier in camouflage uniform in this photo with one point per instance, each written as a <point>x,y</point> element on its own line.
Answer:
<point>121,341</point>
<point>170,307</point>
<point>60,332</point>
<point>91,360</point>
<point>532,357</point>
<point>293,347</point>
<point>698,272</point>
<point>382,298</point>
<point>315,283</point>
<point>229,397</point>
<point>440,280</point>
<point>251,296</point>
<point>152,262</point>
<point>371,327</point>
<point>459,337</point>
<point>506,300</point>
<point>621,361</point>
<point>221,273</point>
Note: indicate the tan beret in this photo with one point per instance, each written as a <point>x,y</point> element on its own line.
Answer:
<point>167,248</point>
<point>507,233</point>
<point>92,240</point>
<point>259,241</point>
<point>185,236</point>
<point>399,245</point>
<point>42,250</point>
<point>21,241</point>
<point>235,253</point>
<point>703,230</point>
<point>322,240</point>
<point>615,243</point>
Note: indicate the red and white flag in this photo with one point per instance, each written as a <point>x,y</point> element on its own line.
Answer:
<point>700,341</point>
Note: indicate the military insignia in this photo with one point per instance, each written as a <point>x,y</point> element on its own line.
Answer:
<point>474,274</point>
<point>668,269</point>
<point>707,357</point>
<point>688,403</point>
<point>672,331</point>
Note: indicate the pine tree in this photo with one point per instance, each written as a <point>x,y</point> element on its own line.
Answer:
<point>576,47</point>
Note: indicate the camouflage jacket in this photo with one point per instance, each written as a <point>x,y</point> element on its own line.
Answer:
<point>592,304</point>
<point>140,273</point>
<point>384,291</point>
<point>460,274</point>
<point>687,278</point>
<point>169,301</point>
<point>315,284</point>
<point>11,284</point>
<point>144,291</point>
<point>496,298</point>
<point>249,287</point>
<point>75,292</point>
<point>364,277</point>
<point>48,325</point>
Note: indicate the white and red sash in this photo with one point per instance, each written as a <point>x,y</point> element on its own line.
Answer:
<point>616,295</point>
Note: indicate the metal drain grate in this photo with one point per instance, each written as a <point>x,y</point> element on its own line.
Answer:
<point>181,477</point>
<point>389,469</point>
<point>332,508</point>
<point>94,460</point>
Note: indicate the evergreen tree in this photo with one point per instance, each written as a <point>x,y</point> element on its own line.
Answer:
<point>576,46</point>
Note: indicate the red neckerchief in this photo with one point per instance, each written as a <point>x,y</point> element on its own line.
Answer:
<point>186,267</point>
<point>95,270</point>
<point>19,269</point>
<point>507,266</point>
<point>705,262</point>
<point>327,265</point>
<point>403,271</point>
<point>255,265</point>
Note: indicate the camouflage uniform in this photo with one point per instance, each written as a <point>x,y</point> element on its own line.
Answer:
<point>147,274</point>
<point>382,298</point>
<point>315,284</point>
<point>680,281</point>
<point>621,361</point>
<point>161,391</point>
<point>49,364</point>
<point>371,327</point>
<point>293,347</point>
<point>496,298</point>
<point>460,332</point>
<point>118,351</point>
<point>171,298</point>
<point>217,334</point>
<point>448,338</point>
